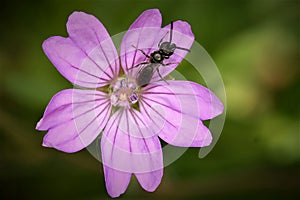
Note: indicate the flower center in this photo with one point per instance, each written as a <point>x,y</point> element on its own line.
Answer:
<point>124,92</point>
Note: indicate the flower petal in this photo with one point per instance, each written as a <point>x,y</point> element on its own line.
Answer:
<point>116,181</point>
<point>89,34</point>
<point>180,106</point>
<point>143,35</point>
<point>150,180</point>
<point>79,58</point>
<point>125,150</point>
<point>74,118</point>
<point>188,93</point>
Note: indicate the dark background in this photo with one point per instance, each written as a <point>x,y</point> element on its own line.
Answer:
<point>256,47</point>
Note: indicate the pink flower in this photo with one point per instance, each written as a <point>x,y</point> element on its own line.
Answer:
<point>131,118</point>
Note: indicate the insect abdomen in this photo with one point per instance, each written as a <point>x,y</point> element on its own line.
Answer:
<point>145,75</point>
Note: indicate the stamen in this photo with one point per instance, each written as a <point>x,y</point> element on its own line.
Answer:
<point>133,98</point>
<point>124,92</point>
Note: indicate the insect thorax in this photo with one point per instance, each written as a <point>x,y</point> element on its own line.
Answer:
<point>156,57</point>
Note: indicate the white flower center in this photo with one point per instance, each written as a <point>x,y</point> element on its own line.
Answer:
<point>124,92</point>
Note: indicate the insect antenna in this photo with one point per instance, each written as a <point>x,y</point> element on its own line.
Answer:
<point>171,33</point>
<point>181,48</point>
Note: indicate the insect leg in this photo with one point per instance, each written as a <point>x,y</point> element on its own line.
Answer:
<point>157,69</point>
<point>181,48</point>
<point>142,63</point>
<point>143,52</point>
<point>171,63</point>
<point>160,41</point>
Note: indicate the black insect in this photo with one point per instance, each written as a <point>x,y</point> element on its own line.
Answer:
<point>156,58</point>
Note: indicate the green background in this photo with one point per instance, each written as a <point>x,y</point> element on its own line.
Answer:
<point>255,44</point>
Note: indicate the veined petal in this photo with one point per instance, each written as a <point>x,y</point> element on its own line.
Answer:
<point>208,105</point>
<point>123,151</point>
<point>89,34</point>
<point>86,31</point>
<point>190,135</point>
<point>79,58</point>
<point>150,180</point>
<point>143,35</point>
<point>181,105</point>
<point>116,181</point>
<point>74,118</point>
<point>179,129</point>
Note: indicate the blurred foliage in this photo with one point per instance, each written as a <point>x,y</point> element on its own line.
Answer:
<point>256,47</point>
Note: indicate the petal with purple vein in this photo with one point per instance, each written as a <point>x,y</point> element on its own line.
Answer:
<point>74,118</point>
